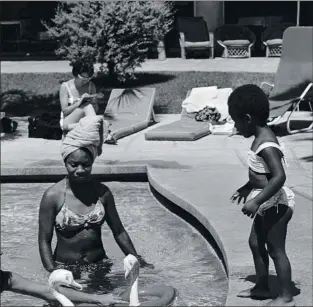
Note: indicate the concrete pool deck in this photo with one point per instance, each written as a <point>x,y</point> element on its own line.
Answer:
<point>200,177</point>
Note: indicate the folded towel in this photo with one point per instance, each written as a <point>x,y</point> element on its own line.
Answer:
<point>85,135</point>
<point>211,96</point>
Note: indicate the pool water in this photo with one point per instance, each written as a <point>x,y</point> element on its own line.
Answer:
<point>182,257</point>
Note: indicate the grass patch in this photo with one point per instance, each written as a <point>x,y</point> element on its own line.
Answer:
<point>26,94</point>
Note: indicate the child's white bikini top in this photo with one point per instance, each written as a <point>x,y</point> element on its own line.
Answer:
<point>257,163</point>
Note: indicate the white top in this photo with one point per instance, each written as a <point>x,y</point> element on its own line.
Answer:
<point>257,164</point>
<point>73,95</point>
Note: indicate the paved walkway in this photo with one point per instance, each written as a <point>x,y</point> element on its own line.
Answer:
<point>200,177</point>
<point>268,65</point>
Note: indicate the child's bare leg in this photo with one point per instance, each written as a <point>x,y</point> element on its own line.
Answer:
<point>261,262</point>
<point>276,227</point>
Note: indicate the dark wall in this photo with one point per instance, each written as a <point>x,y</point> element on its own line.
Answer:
<point>236,9</point>
<point>15,10</point>
<point>306,13</point>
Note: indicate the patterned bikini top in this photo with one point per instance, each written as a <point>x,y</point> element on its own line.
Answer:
<point>257,163</point>
<point>67,220</point>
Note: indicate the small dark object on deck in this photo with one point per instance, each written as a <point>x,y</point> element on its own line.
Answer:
<point>45,126</point>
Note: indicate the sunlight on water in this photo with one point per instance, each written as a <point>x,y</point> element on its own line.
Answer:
<point>182,257</point>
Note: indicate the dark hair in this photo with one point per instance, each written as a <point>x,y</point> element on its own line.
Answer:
<point>249,99</point>
<point>80,67</point>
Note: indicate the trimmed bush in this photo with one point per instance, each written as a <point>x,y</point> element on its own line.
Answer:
<point>25,94</point>
<point>115,33</point>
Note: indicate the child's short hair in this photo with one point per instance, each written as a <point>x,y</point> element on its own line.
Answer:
<point>249,99</point>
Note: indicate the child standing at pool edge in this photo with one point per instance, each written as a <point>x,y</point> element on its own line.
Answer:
<point>271,204</point>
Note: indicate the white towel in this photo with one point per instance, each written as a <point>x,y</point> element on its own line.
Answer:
<point>211,96</point>
<point>85,135</point>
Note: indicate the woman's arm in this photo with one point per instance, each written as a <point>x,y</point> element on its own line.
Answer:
<point>47,214</point>
<point>120,234</point>
<point>272,158</point>
<point>65,107</point>
<point>21,285</point>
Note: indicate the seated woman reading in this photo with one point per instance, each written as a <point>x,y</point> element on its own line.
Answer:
<point>78,205</point>
<point>78,99</point>
<point>74,94</point>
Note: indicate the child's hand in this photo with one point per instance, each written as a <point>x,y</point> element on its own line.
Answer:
<point>250,208</point>
<point>240,194</point>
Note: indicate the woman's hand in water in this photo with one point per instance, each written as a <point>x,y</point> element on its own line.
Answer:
<point>109,299</point>
<point>143,263</point>
<point>250,208</point>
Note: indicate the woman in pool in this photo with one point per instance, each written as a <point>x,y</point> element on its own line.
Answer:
<point>271,204</point>
<point>73,94</point>
<point>77,206</point>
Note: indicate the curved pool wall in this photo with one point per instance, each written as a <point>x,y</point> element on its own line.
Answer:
<point>135,173</point>
<point>184,214</point>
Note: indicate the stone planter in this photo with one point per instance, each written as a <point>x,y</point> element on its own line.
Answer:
<point>161,51</point>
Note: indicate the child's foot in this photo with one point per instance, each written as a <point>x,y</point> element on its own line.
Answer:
<point>255,292</point>
<point>279,301</point>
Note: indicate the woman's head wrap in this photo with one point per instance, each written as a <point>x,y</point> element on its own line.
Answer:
<point>85,135</point>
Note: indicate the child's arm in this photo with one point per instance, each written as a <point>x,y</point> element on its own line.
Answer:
<point>272,158</point>
<point>247,186</point>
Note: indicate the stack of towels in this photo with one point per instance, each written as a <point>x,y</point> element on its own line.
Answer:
<point>211,96</point>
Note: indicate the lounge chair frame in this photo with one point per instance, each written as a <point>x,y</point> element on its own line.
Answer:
<point>235,32</point>
<point>182,38</point>
<point>294,108</point>
<point>273,50</point>
<point>236,51</point>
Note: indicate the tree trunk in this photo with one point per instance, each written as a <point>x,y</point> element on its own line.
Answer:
<point>111,69</point>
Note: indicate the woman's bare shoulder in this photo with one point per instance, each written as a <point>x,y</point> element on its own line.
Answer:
<point>103,191</point>
<point>101,188</point>
<point>54,191</point>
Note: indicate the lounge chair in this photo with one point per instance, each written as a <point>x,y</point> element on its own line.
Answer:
<point>184,129</point>
<point>194,35</point>
<point>272,38</point>
<point>293,81</point>
<point>129,110</point>
<point>236,40</point>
